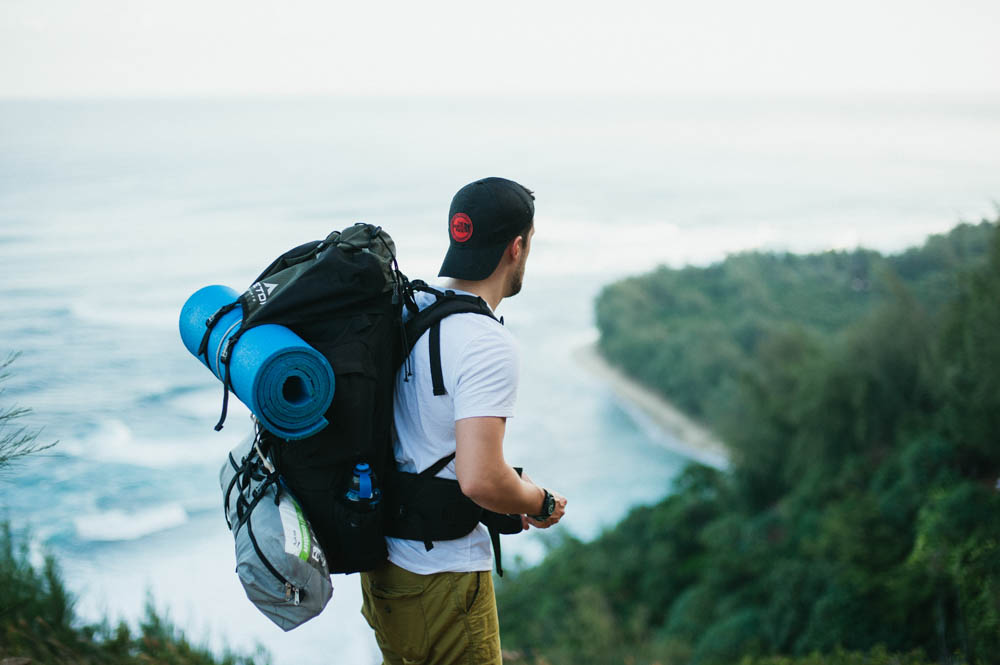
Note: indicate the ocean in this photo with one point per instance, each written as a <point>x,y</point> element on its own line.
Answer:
<point>113,212</point>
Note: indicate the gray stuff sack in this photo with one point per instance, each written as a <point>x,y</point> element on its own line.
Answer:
<point>278,558</point>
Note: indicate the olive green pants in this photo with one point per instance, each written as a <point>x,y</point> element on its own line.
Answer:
<point>439,619</point>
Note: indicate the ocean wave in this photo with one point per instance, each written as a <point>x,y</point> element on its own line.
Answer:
<point>112,441</point>
<point>118,525</point>
<point>144,317</point>
<point>203,403</point>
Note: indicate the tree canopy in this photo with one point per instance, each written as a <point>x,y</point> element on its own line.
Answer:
<point>860,398</point>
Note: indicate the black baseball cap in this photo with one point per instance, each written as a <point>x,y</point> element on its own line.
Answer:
<point>484,217</point>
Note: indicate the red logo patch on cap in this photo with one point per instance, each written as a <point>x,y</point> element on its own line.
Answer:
<point>461,227</point>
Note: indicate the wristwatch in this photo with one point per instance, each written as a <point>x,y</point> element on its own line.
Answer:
<point>548,507</point>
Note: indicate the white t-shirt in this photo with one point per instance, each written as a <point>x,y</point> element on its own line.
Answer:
<point>479,364</point>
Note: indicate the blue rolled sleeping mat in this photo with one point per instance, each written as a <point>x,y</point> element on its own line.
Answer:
<point>286,384</point>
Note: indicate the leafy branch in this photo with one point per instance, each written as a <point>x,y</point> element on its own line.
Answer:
<point>16,441</point>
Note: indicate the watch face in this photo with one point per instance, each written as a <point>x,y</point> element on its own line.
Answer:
<point>548,507</point>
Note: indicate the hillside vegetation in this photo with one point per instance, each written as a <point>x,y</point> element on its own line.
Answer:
<point>860,397</point>
<point>693,333</point>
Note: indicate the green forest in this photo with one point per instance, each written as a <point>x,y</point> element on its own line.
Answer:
<point>859,395</point>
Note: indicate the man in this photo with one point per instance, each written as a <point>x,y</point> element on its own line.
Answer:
<point>436,606</point>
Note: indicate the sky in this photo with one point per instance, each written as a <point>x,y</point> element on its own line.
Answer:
<point>137,48</point>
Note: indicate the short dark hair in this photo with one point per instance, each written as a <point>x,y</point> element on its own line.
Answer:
<point>531,222</point>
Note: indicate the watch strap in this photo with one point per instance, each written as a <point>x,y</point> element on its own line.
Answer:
<point>548,507</point>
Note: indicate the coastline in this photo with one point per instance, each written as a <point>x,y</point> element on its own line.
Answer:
<point>682,434</point>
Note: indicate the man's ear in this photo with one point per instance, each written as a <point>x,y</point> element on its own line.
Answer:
<point>515,248</point>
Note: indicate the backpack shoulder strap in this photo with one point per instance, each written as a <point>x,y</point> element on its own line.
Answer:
<point>429,319</point>
<point>447,303</point>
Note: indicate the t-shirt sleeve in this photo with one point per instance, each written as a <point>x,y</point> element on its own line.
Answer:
<point>486,381</point>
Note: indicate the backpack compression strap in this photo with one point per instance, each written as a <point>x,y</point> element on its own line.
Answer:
<point>224,357</point>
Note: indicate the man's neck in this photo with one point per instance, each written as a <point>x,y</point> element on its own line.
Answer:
<point>488,289</point>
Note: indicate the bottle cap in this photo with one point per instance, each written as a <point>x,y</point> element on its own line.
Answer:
<point>364,480</point>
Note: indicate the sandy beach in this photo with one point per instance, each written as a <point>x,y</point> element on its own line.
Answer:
<point>682,433</point>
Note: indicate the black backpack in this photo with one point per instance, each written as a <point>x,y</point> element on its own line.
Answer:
<point>345,297</point>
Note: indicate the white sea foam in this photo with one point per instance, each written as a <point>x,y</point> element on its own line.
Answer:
<point>118,525</point>
<point>114,442</point>
<point>655,432</point>
<point>614,248</point>
<point>118,315</point>
<point>205,403</point>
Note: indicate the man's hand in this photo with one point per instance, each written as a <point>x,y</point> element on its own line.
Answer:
<point>557,513</point>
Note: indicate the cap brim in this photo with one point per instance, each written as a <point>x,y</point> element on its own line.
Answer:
<point>471,264</point>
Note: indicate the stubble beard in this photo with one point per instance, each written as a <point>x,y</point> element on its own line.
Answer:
<point>516,280</point>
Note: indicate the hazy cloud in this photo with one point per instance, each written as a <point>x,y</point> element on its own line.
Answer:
<point>142,47</point>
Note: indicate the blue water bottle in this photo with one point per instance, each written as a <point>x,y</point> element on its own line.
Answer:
<point>363,493</point>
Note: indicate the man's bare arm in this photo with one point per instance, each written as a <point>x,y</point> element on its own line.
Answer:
<point>486,478</point>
